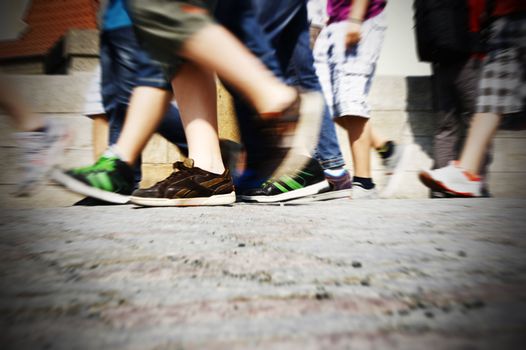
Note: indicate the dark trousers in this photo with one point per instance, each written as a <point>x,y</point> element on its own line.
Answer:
<point>456,86</point>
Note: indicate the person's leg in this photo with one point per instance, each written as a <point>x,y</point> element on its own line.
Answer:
<point>180,29</point>
<point>257,33</point>
<point>483,128</point>
<point>146,109</point>
<point>201,179</point>
<point>301,72</point>
<point>99,135</point>
<point>195,92</point>
<point>239,17</point>
<point>353,71</point>
<point>449,123</point>
<point>359,132</point>
<point>377,140</point>
<point>239,68</point>
<point>18,111</point>
<point>132,68</point>
<point>42,142</point>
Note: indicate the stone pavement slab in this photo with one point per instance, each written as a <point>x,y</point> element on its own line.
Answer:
<point>393,274</point>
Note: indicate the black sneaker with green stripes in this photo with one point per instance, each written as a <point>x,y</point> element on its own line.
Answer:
<point>306,182</point>
<point>109,179</point>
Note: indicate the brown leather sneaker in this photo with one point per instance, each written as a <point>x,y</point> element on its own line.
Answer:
<point>188,186</point>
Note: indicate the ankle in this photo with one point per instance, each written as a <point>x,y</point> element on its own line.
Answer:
<point>120,153</point>
<point>471,175</point>
<point>365,182</point>
<point>212,166</point>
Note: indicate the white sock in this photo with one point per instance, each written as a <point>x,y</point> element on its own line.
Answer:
<point>335,172</point>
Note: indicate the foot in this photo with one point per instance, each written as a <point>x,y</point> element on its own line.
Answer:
<point>452,180</point>
<point>188,186</point>
<point>42,150</point>
<point>340,186</point>
<point>310,180</point>
<point>109,179</point>
<point>292,132</point>
<point>394,161</point>
<point>359,191</point>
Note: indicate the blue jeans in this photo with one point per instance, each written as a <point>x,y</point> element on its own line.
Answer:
<point>267,28</point>
<point>125,66</point>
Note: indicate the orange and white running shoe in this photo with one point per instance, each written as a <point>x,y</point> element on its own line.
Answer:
<point>452,180</point>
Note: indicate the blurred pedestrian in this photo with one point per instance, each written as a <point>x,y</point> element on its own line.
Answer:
<point>501,94</point>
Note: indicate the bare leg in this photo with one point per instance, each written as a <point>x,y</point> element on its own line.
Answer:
<point>483,128</point>
<point>21,115</point>
<point>146,109</point>
<point>99,134</point>
<point>359,131</point>
<point>377,140</point>
<point>238,67</point>
<point>195,92</point>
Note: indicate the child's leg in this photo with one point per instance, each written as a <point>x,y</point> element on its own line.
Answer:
<point>216,49</point>
<point>195,92</point>
<point>359,131</point>
<point>146,109</point>
<point>481,132</point>
<point>22,117</point>
<point>174,29</point>
<point>377,140</point>
<point>99,134</point>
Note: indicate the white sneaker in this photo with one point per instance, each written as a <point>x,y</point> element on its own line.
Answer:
<point>453,180</point>
<point>358,192</point>
<point>41,151</point>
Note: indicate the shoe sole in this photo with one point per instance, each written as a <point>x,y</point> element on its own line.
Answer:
<point>325,196</point>
<point>395,177</point>
<point>288,196</point>
<point>306,134</point>
<point>365,196</point>
<point>438,186</point>
<point>220,199</point>
<point>77,186</point>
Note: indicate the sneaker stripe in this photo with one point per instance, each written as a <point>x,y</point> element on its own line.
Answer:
<point>101,181</point>
<point>293,184</point>
<point>280,187</point>
<point>105,181</point>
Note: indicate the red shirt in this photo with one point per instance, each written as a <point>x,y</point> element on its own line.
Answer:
<point>507,7</point>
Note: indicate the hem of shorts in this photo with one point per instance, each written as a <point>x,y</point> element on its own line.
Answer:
<point>163,85</point>
<point>351,113</point>
<point>504,113</point>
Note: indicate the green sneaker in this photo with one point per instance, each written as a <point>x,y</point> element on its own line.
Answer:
<point>109,179</point>
<point>308,181</point>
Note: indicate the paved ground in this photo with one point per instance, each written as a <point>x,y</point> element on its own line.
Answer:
<point>442,274</point>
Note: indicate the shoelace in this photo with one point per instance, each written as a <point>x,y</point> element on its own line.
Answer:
<point>179,170</point>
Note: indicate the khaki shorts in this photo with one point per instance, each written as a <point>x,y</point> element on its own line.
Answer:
<point>163,26</point>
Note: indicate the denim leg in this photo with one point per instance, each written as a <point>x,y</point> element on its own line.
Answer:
<point>171,128</point>
<point>301,72</point>
<point>108,88</point>
<point>240,18</point>
<point>124,68</point>
<point>291,18</point>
